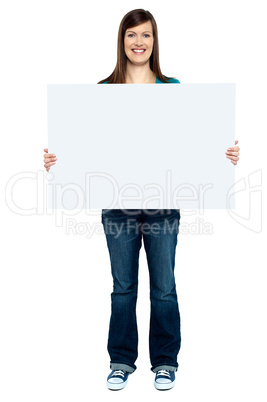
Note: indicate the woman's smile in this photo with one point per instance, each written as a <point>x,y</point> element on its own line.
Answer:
<point>138,51</point>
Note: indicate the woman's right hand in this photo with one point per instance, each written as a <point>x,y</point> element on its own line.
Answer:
<point>49,159</point>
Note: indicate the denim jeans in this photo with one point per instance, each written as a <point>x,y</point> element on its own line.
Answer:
<point>124,230</point>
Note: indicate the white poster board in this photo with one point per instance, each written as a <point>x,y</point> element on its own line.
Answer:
<point>141,146</point>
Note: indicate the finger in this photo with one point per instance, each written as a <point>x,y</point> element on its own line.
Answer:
<point>232,158</point>
<point>46,149</point>
<point>232,153</point>
<point>49,159</point>
<point>234,163</point>
<point>49,155</point>
<point>47,164</point>
<point>233,149</point>
<point>236,141</point>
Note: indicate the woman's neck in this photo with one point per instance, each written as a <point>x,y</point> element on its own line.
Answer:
<point>139,75</point>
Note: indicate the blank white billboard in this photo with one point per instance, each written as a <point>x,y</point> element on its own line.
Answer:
<point>141,146</point>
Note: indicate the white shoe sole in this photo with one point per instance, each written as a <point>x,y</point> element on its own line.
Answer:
<point>117,386</point>
<point>164,385</point>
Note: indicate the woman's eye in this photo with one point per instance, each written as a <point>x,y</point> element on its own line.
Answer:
<point>145,35</point>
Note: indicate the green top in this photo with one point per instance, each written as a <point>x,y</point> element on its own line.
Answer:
<point>172,81</point>
<point>158,81</point>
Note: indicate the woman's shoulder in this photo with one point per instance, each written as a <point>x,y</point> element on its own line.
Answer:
<point>174,80</point>
<point>170,81</point>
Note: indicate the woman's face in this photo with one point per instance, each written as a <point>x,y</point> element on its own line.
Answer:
<point>140,37</point>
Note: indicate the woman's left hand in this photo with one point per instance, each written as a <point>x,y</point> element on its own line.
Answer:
<point>233,153</point>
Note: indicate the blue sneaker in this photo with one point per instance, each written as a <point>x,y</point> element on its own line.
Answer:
<point>117,379</point>
<point>165,379</point>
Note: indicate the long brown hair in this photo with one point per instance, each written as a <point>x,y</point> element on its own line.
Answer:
<point>132,19</point>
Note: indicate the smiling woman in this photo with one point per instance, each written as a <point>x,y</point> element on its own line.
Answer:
<point>138,63</point>
<point>138,46</point>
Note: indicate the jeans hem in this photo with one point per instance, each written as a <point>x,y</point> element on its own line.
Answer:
<point>164,367</point>
<point>122,366</point>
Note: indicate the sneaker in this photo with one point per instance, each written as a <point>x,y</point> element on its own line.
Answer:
<point>117,379</point>
<point>165,379</point>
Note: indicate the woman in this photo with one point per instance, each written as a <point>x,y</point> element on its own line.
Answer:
<point>138,63</point>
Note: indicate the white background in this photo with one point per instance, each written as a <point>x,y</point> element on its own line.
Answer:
<point>55,286</point>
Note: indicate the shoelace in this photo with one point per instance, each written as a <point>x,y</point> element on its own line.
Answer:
<point>163,372</point>
<point>118,372</point>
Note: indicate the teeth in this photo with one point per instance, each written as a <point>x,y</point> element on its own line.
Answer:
<point>138,51</point>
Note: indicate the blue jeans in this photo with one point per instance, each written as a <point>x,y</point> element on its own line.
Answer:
<point>124,230</point>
